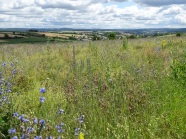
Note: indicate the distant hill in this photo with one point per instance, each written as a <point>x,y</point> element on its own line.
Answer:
<point>132,31</point>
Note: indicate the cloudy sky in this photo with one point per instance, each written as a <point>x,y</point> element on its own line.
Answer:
<point>92,13</point>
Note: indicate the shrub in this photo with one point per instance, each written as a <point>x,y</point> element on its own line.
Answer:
<point>178,34</point>
<point>112,36</point>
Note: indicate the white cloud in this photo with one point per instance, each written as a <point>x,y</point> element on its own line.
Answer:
<point>90,14</point>
<point>160,2</point>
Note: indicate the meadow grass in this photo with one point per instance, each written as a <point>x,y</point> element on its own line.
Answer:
<point>126,93</point>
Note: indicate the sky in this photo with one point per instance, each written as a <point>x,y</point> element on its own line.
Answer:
<point>91,14</point>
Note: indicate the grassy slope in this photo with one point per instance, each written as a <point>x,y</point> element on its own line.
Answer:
<point>122,93</point>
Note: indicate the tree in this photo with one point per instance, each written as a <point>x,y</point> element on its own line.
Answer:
<point>6,36</point>
<point>112,36</point>
<point>95,37</point>
<point>178,34</point>
<point>132,36</point>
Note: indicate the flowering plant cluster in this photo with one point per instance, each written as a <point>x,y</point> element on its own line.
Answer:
<point>24,126</point>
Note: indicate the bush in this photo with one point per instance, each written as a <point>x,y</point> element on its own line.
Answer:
<point>6,36</point>
<point>178,34</point>
<point>112,36</point>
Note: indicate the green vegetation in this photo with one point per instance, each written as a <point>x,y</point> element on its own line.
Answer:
<point>178,34</point>
<point>125,89</point>
<point>112,36</point>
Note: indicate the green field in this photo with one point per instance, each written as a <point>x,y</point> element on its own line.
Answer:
<point>125,90</point>
<point>32,37</point>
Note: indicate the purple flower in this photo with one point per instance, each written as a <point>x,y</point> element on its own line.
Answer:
<point>50,137</point>
<point>23,119</point>
<point>81,119</point>
<point>14,71</point>
<point>38,137</point>
<point>11,131</point>
<point>4,64</point>
<point>59,128</point>
<point>1,91</point>
<point>42,99</point>
<point>8,90</point>
<point>42,90</point>
<point>15,114</point>
<point>24,136</point>
<point>77,131</point>
<point>42,122</point>
<point>35,121</point>
<point>61,111</point>
<point>15,137</point>
<point>30,130</point>
<point>4,99</point>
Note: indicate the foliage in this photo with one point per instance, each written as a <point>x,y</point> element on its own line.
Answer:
<point>178,34</point>
<point>95,37</point>
<point>112,36</point>
<point>6,36</point>
<point>72,38</point>
<point>132,36</point>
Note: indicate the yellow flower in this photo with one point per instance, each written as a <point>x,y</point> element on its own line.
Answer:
<point>81,135</point>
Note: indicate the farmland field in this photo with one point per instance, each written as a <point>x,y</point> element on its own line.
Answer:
<point>115,89</point>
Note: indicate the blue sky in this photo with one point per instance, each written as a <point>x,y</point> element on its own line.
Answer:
<point>93,14</point>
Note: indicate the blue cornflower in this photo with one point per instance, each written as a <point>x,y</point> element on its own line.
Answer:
<point>15,137</point>
<point>50,137</point>
<point>1,91</point>
<point>59,128</point>
<point>11,131</point>
<point>4,99</point>
<point>42,122</point>
<point>61,111</point>
<point>1,82</point>
<point>42,90</point>
<point>24,136</point>
<point>4,64</point>
<point>58,137</point>
<point>15,114</point>
<point>81,119</point>
<point>21,117</point>
<point>30,130</point>
<point>14,71</point>
<point>77,131</point>
<point>35,121</point>
<point>38,137</point>
<point>42,99</point>
<point>8,90</point>
<point>25,120</point>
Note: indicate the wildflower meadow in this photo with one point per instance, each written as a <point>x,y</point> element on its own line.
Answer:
<point>112,89</point>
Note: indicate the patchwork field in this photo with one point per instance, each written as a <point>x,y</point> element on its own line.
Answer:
<point>120,89</point>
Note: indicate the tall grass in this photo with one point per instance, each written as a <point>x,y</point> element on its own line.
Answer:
<point>123,93</point>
